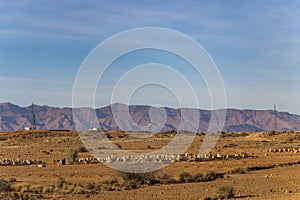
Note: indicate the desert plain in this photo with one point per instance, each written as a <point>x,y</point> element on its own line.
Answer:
<point>252,165</point>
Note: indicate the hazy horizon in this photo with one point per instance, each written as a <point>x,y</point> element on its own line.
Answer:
<point>227,108</point>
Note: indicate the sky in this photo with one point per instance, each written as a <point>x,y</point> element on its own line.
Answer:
<point>254,44</point>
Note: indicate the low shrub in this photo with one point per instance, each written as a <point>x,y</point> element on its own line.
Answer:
<point>48,189</point>
<point>185,177</point>
<point>198,177</point>
<point>166,179</point>
<point>60,183</point>
<point>238,170</point>
<point>24,188</point>
<point>72,156</point>
<point>79,190</point>
<point>12,180</point>
<point>210,176</point>
<point>90,186</point>
<point>5,186</point>
<point>37,189</point>
<point>135,180</point>
<point>272,133</point>
<point>225,192</point>
<point>231,145</point>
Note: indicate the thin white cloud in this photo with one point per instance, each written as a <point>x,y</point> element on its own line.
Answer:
<point>256,43</point>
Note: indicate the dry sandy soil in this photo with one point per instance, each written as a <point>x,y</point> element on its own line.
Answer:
<point>273,175</point>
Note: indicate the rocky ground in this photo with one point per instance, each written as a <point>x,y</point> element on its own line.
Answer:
<point>270,171</point>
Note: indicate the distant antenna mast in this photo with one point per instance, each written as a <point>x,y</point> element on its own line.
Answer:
<point>33,127</point>
<point>275,118</point>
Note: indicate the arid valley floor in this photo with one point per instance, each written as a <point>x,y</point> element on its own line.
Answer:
<point>270,169</point>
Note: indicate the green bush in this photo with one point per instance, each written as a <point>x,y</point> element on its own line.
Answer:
<point>72,156</point>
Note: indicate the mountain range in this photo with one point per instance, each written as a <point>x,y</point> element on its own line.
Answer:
<point>14,117</point>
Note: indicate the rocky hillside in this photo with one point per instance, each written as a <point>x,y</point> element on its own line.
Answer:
<point>13,117</point>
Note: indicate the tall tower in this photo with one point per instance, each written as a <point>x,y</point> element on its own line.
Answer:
<point>33,126</point>
<point>275,118</point>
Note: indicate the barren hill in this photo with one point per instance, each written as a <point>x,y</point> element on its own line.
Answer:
<point>13,117</point>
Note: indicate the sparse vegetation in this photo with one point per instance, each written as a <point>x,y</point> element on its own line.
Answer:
<point>222,134</point>
<point>293,137</point>
<point>90,186</point>
<point>210,176</point>
<point>60,183</point>
<point>237,170</point>
<point>73,184</point>
<point>231,145</point>
<point>185,177</point>
<point>135,180</point>
<point>235,134</point>
<point>66,187</point>
<point>166,179</point>
<point>72,156</point>
<point>45,152</point>
<point>113,184</point>
<point>223,192</point>
<point>272,133</point>
<point>130,181</point>
<point>5,186</point>
<point>200,134</point>
<point>12,180</point>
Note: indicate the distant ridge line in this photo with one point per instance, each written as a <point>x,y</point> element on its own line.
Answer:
<point>14,117</point>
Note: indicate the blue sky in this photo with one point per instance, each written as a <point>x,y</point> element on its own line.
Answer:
<point>255,44</point>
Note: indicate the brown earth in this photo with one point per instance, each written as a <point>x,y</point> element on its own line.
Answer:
<point>279,179</point>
